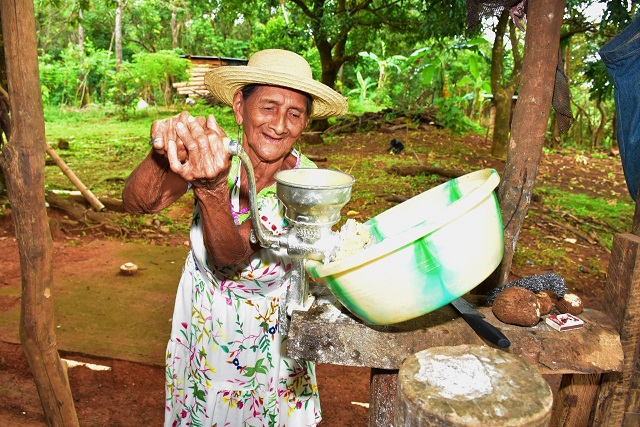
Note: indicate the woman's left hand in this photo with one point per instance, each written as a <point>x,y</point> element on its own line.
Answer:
<point>207,159</point>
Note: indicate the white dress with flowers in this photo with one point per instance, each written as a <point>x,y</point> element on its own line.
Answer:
<point>224,363</point>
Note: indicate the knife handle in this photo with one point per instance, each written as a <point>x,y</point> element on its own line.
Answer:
<point>486,330</point>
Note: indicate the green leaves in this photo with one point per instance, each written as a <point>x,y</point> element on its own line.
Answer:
<point>363,86</point>
<point>149,77</point>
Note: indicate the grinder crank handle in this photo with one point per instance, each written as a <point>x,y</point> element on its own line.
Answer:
<point>266,240</point>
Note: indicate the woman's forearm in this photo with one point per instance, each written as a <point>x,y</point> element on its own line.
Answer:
<point>225,241</point>
<point>152,186</point>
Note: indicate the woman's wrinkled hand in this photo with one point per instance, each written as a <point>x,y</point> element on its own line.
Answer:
<point>194,147</point>
<point>163,131</point>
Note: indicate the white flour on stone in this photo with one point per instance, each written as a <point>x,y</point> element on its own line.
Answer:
<point>463,377</point>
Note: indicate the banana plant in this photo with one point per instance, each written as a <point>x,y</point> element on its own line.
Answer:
<point>383,64</point>
<point>364,84</point>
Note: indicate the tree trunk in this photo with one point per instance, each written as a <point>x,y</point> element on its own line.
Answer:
<point>80,36</point>
<point>118,35</point>
<point>5,127</point>
<point>330,70</point>
<point>554,128</point>
<point>174,27</point>
<point>5,119</point>
<point>23,163</point>
<point>85,98</point>
<point>503,91</point>
<point>544,19</point>
<point>502,123</point>
<point>555,132</point>
<point>614,131</point>
<point>597,135</point>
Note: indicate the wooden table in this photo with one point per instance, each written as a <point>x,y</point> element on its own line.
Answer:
<point>328,333</point>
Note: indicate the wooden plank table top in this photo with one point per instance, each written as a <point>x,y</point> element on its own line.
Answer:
<point>328,333</point>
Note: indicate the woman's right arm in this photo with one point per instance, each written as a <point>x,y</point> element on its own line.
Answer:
<point>152,186</point>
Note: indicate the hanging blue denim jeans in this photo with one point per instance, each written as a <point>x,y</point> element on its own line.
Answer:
<point>621,55</point>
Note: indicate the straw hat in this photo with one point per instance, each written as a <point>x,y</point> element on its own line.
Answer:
<point>279,68</point>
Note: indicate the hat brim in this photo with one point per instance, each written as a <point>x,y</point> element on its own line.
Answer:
<point>223,82</point>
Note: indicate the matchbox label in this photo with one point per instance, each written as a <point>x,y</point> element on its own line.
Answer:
<point>564,322</point>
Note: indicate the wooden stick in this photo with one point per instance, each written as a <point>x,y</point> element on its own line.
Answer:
<point>93,200</point>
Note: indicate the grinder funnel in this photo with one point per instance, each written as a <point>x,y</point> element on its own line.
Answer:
<point>313,197</point>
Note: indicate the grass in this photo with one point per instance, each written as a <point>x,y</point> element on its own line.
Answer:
<point>591,211</point>
<point>592,215</point>
<point>374,183</point>
<point>545,255</point>
<point>103,149</point>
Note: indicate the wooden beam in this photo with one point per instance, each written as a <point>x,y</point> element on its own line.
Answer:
<point>574,400</point>
<point>327,334</point>
<point>382,402</point>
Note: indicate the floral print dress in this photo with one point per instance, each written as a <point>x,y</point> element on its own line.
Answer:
<point>224,363</point>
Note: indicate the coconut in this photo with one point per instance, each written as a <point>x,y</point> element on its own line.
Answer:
<point>517,306</point>
<point>570,303</point>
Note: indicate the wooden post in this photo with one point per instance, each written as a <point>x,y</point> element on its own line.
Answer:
<point>574,400</point>
<point>383,388</point>
<point>23,163</point>
<point>618,399</point>
<point>544,19</point>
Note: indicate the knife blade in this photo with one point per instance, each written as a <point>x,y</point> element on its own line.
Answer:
<point>483,328</point>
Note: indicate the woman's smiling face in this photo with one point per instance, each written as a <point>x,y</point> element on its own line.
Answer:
<point>273,118</point>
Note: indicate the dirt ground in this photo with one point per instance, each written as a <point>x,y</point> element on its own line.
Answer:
<point>131,341</point>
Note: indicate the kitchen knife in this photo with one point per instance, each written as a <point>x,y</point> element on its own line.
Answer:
<point>483,328</point>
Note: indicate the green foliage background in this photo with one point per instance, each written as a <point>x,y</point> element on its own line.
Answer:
<point>410,55</point>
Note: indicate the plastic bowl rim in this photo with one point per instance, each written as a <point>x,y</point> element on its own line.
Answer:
<point>391,244</point>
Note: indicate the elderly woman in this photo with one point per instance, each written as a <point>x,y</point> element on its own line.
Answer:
<point>224,362</point>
